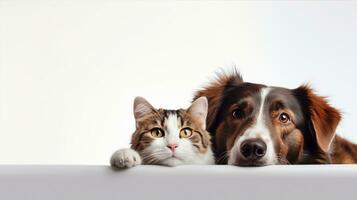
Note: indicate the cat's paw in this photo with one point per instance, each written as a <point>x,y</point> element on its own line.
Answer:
<point>125,158</point>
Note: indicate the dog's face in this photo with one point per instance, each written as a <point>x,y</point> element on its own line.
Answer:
<point>263,123</point>
<point>255,125</point>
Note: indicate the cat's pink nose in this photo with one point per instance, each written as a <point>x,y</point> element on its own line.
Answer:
<point>172,147</point>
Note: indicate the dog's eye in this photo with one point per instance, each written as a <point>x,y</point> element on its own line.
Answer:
<point>185,133</point>
<point>238,114</point>
<point>157,132</point>
<point>284,118</point>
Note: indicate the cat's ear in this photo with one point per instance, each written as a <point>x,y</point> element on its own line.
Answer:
<point>142,107</point>
<point>198,110</point>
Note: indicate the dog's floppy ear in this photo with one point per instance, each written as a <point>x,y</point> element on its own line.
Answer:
<point>214,93</point>
<point>322,117</point>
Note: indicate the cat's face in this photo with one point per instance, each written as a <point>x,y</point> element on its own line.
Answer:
<point>172,137</point>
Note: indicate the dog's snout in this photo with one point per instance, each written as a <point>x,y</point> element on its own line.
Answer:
<point>253,149</point>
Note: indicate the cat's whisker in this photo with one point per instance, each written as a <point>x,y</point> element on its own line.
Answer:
<point>149,156</point>
<point>147,152</point>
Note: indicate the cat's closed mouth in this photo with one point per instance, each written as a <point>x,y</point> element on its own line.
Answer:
<point>174,157</point>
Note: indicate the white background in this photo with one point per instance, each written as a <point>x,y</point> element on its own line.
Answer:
<point>69,70</point>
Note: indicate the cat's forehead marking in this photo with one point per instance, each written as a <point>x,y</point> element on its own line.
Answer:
<point>172,120</point>
<point>172,115</point>
<point>172,124</point>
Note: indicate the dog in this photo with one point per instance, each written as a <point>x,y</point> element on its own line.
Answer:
<point>257,125</point>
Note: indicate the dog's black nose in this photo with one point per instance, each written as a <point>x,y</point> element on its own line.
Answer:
<point>253,149</point>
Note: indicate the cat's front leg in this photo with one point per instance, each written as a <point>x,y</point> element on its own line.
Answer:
<point>125,158</point>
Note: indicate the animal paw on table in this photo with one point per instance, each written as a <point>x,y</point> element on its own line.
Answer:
<point>125,158</point>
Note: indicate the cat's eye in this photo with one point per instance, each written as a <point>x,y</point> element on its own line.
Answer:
<point>185,133</point>
<point>157,132</point>
<point>284,118</point>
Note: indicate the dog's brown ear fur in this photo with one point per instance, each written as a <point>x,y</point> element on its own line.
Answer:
<point>323,117</point>
<point>215,91</point>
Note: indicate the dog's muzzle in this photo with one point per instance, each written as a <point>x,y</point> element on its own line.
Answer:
<point>253,150</point>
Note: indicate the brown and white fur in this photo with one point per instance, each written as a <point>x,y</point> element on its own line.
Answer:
<point>256,125</point>
<point>167,137</point>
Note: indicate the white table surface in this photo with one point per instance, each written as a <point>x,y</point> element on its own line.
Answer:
<point>320,182</point>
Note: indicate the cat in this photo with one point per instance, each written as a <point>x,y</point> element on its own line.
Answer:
<point>167,137</point>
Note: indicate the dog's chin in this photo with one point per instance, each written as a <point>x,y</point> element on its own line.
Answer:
<point>248,163</point>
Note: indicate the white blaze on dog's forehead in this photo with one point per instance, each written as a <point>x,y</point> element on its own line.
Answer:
<point>259,130</point>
